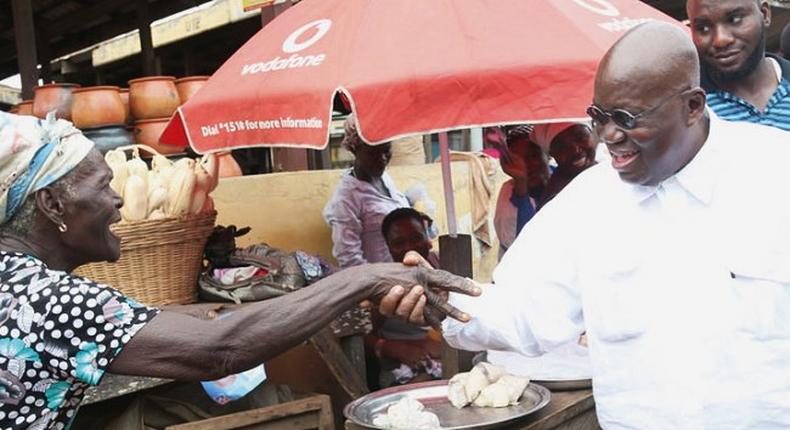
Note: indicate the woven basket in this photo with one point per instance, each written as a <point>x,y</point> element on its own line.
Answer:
<point>160,259</point>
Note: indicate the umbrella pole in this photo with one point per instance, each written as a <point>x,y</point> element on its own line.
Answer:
<point>455,255</point>
<point>447,177</point>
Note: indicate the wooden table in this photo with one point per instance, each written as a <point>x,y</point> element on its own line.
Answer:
<point>568,410</point>
<point>119,385</point>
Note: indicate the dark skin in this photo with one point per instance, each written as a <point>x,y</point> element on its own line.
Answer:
<point>404,235</point>
<point>87,217</point>
<point>573,149</point>
<point>670,135</point>
<point>186,345</point>
<point>408,234</point>
<point>666,139</point>
<point>730,38</point>
<point>370,162</point>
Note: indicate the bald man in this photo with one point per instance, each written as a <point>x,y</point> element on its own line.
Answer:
<point>743,82</point>
<point>683,286</point>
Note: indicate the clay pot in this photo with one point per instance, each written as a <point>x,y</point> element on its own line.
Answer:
<point>97,106</point>
<point>25,107</point>
<point>188,86</point>
<point>147,132</point>
<point>124,92</point>
<point>109,136</point>
<point>57,97</point>
<point>153,97</point>
<point>228,167</point>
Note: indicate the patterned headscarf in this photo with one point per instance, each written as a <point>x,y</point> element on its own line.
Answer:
<point>34,153</point>
<point>351,140</point>
<point>543,134</point>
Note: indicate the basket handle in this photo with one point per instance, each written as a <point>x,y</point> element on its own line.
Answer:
<point>137,147</point>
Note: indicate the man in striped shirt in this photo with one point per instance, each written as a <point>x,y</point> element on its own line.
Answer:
<point>742,81</point>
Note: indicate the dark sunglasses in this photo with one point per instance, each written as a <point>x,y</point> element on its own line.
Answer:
<point>621,117</point>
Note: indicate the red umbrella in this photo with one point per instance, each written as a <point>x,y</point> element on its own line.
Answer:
<point>407,67</point>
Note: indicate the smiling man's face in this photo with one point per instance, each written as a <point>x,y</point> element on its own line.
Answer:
<point>729,35</point>
<point>649,106</point>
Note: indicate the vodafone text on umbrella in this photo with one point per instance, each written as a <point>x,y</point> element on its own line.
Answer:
<point>291,45</point>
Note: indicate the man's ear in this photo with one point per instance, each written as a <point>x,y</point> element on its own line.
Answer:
<point>696,106</point>
<point>765,9</point>
<point>50,204</point>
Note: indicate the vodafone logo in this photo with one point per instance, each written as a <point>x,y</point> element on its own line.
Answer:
<point>616,23</point>
<point>293,44</point>
<point>322,26</point>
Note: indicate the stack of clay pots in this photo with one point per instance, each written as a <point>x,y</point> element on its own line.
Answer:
<point>101,114</point>
<point>153,100</point>
<point>56,97</point>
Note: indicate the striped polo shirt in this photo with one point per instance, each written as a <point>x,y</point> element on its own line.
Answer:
<point>733,108</point>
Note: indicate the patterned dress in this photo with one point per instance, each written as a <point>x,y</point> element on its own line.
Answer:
<point>58,334</point>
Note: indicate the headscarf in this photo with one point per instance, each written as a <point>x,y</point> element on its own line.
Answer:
<point>34,153</point>
<point>351,140</point>
<point>543,134</point>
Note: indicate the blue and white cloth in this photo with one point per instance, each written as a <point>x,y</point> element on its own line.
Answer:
<point>34,153</point>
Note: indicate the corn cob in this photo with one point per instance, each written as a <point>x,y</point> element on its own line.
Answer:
<point>135,206</point>
<point>181,188</point>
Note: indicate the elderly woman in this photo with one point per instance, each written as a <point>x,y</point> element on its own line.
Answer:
<point>365,195</point>
<point>59,333</point>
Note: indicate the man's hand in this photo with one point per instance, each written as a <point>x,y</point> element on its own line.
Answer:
<point>426,303</point>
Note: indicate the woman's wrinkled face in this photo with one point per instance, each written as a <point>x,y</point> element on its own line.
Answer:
<point>90,207</point>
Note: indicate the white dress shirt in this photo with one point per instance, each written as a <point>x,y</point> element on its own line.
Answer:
<point>683,288</point>
<point>355,213</point>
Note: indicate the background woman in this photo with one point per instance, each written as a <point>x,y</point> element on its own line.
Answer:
<point>364,196</point>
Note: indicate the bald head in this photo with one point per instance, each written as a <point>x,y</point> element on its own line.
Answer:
<point>670,64</point>
<point>648,108</point>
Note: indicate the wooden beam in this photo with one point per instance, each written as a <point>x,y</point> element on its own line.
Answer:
<point>25,33</point>
<point>45,58</point>
<point>80,37</point>
<point>348,376</point>
<point>86,14</point>
<point>146,42</point>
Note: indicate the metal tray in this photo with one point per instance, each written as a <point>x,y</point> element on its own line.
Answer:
<point>433,395</point>
<point>551,384</point>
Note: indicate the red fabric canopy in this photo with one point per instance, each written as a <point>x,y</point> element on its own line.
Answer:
<point>407,67</point>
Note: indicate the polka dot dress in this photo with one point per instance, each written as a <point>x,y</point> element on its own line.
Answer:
<point>58,334</point>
